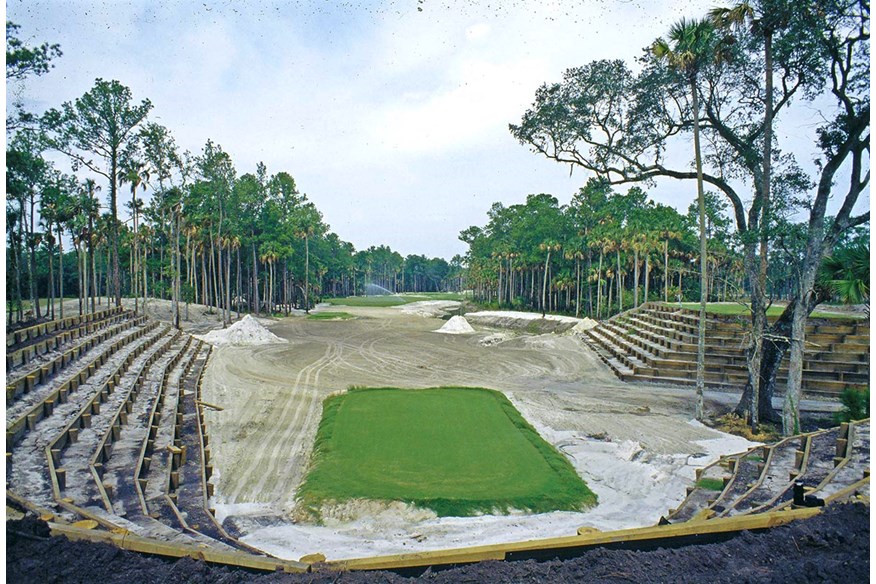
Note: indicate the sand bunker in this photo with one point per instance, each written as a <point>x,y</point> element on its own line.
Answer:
<point>531,322</point>
<point>247,331</point>
<point>457,325</point>
<point>429,308</point>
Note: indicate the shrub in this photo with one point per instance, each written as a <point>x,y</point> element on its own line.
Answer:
<point>856,405</point>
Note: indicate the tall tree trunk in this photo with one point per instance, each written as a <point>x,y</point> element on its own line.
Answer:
<point>204,299</point>
<point>114,230</point>
<point>31,244</point>
<point>666,270</point>
<point>228,284</point>
<point>94,290</point>
<point>145,271</point>
<point>50,311</point>
<point>238,282</point>
<point>620,283</point>
<point>255,279</point>
<point>61,268</point>
<point>306,273</point>
<point>79,262</point>
<point>599,286</point>
<point>636,277</point>
<point>647,273</point>
<point>135,257</point>
<point>177,285</point>
<point>544,284</point>
<point>701,331</point>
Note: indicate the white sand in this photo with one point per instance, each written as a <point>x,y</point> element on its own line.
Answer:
<point>585,325</point>
<point>247,331</point>
<point>261,442</point>
<point>635,487</point>
<point>517,315</point>
<point>457,325</point>
<point>428,308</point>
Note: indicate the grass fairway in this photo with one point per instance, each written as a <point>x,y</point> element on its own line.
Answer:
<point>393,299</point>
<point>330,316</point>
<point>457,451</point>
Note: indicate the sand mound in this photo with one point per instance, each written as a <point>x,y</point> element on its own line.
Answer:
<point>457,325</point>
<point>247,331</point>
<point>585,325</point>
<point>429,308</point>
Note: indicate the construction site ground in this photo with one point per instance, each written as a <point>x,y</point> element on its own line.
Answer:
<point>635,445</point>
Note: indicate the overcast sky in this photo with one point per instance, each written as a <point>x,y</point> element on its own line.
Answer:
<point>392,116</point>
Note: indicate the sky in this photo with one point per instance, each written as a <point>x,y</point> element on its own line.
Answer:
<point>391,115</point>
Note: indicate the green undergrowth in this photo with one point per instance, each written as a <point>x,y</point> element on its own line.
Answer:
<point>733,424</point>
<point>330,316</point>
<point>711,484</point>
<point>856,405</point>
<point>456,451</point>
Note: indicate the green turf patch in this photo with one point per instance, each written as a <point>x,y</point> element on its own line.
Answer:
<point>711,484</point>
<point>330,316</point>
<point>367,301</point>
<point>734,309</point>
<point>394,299</point>
<point>457,451</point>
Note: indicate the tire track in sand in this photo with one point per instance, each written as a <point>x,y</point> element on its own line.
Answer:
<point>267,463</point>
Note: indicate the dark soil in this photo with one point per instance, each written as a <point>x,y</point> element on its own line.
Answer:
<point>831,547</point>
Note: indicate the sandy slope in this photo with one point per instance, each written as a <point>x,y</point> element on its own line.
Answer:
<point>635,446</point>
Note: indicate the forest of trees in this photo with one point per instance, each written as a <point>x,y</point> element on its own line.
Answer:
<point>603,253</point>
<point>196,230</point>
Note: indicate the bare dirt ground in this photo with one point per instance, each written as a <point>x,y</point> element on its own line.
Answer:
<point>831,547</point>
<point>635,445</point>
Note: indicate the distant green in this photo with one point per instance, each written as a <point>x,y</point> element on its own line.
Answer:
<point>457,451</point>
<point>393,299</point>
<point>330,316</point>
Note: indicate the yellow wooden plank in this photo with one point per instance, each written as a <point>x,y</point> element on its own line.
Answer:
<point>176,550</point>
<point>498,551</point>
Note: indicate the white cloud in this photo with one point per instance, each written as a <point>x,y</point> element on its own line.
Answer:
<point>394,121</point>
<point>478,31</point>
<point>479,98</point>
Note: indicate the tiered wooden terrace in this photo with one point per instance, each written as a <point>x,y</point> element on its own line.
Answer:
<point>104,424</point>
<point>658,343</point>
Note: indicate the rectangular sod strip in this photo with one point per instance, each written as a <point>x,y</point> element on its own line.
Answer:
<point>457,451</point>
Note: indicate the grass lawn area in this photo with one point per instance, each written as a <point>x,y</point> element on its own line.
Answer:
<point>736,309</point>
<point>330,316</point>
<point>367,301</point>
<point>457,451</point>
<point>393,299</point>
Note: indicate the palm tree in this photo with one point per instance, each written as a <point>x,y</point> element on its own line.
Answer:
<point>693,46</point>
<point>137,174</point>
<point>846,274</point>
